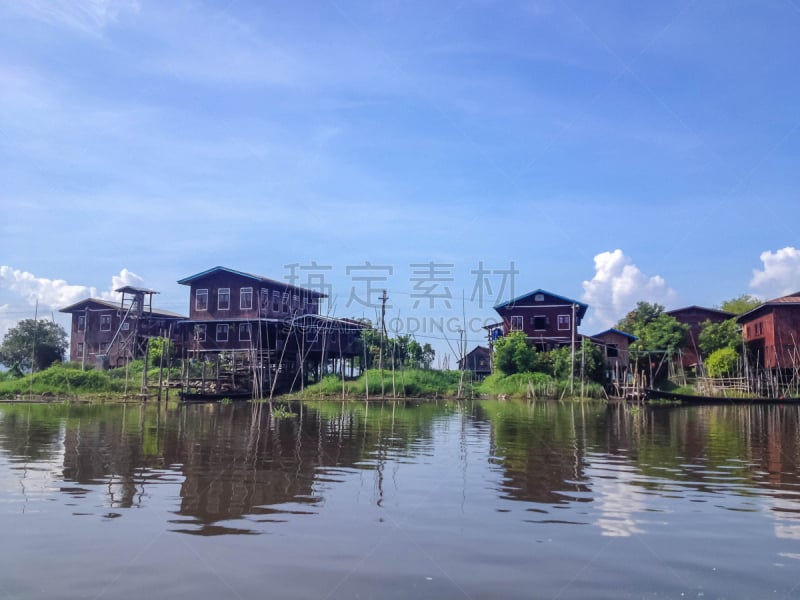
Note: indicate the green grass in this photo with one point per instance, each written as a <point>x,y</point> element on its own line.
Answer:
<point>409,383</point>
<point>539,385</point>
<point>67,378</point>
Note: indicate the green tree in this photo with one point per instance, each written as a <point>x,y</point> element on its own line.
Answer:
<point>741,304</point>
<point>659,334</point>
<point>513,354</point>
<point>159,346</point>
<point>714,336</point>
<point>33,345</point>
<point>722,362</point>
<point>587,353</point>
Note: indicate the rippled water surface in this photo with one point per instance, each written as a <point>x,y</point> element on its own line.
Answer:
<point>479,499</point>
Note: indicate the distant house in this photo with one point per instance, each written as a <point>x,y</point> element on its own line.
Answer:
<point>107,334</point>
<point>694,317</point>
<point>478,361</point>
<point>235,312</point>
<point>772,332</point>
<point>615,344</point>
<point>548,320</point>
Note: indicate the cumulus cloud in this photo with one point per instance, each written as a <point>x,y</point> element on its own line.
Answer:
<point>57,293</point>
<point>618,285</point>
<point>53,293</point>
<point>26,290</point>
<point>780,275</point>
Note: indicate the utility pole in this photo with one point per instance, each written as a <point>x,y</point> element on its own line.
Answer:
<point>384,299</point>
<point>572,359</point>
<point>462,360</point>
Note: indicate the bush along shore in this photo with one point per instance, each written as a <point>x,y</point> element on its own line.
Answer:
<point>419,383</point>
<point>67,380</point>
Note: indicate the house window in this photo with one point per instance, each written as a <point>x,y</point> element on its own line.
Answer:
<point>80,348</point>
<point>276,301</point>
<point>201,300</point>
<point>563,322</point>
<point>538,298</point>
<point>246,298</point>
<point>244,332</point>
<point>295,302</point>
<point>222,332</point>
<point>224,298</point>
<point>612,351</point>
<point>516,323</point>
<point>105,322</point>
<point>539,323</point>
<point>81,322</point>
<point>200,333</point>
<point>126,326</point>
<point>286,302</point>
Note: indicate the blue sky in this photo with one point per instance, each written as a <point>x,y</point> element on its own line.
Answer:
<point>612,151</point>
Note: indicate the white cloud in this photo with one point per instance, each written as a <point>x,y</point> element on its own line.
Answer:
<point>28,290</point>
<point>781,273</point>
<point>618,285</point>
<point>51,293</point>
<point>57,293</point>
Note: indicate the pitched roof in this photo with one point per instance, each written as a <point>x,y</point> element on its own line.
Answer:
<point>630,336</point>
<point>790,299</point>
<point>188,280</point>
<point>582,307</point>
<point>724,313</point>
<point>105,305</point>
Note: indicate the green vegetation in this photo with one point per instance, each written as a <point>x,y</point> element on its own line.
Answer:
<point>722,362</point>
<point>715,336</point>
<point>408,383</point>
<point>740,305</point>
<point>513,354</point>
<point>659,336</point>
<point>33,345</point>
<point>68,379</point>
<point>535,385</point>
<point>401,351</point>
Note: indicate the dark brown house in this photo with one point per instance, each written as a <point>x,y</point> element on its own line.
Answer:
<point>548,320</point>
<point>615,344</point>
<point>478,361</point>
<point>772,332</point>
<point>108,334</point>
<point>235,312</point>
<point>694,317</point>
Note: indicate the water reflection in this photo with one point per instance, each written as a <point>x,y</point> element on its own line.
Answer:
<point>237,465</point>
<point>479,491</point>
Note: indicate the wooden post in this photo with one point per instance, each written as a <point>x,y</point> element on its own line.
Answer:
<point>144,370</point>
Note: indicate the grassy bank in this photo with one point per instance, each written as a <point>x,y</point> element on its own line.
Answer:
<point>68,379</point>
<point>535,385</point>
<point>409,383</point>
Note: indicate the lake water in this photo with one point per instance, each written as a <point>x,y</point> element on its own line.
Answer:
<point>480,499</point>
